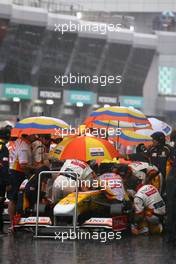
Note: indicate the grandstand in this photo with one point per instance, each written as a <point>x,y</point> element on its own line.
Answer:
<point>32,52</point>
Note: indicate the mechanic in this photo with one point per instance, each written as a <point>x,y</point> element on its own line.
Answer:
<point>159,154</point>
<point>147,173</point>
<point>40,148</point>
<point>113,186</point>
<point>64,185</point>
<point>4,173</point>
<point>149,210</point>
<point>27,195</point>
<point>131,182</point>
<point>20,163</point>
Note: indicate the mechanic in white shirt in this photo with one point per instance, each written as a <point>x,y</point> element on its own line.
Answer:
<point>63,185</point>
<point>149,209</point>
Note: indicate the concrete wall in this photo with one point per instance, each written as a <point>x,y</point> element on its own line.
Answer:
<point>150,90</point>
<point>163,42</point>
<point>120,5</point>
<point>101,5</point>
<point>165,56</point>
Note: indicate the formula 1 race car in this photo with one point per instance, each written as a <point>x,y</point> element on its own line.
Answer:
<point>91,209</point>
<point>94,211</point>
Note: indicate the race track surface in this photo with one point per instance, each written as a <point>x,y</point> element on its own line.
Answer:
<point>22,249</point>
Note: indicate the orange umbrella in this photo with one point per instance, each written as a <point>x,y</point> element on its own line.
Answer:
<point>84,148</point>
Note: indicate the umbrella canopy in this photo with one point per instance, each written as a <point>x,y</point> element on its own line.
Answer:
<point>118,113</point>
<point>145,132</point>
<point>56,151</point>
<point>6,123</point>
<point>39,125</point>
<point>84,148</point>
<point>158,125</point>
<point>131,138</point>
<point>168,14</point>
<point>118,124</point>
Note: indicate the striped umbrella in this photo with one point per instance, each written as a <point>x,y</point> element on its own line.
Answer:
<point>131,138</point>
<point>84,148</point>
<point>118,124</point>
<point>158,125</point>
<point>118,113</point>
<point>39,125</point>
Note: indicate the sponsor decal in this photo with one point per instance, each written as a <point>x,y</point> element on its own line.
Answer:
<point>96,152</point>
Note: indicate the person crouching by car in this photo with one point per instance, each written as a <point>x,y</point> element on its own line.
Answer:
<point>65,182</point>
<point>130,181</point>
<point>149,209</point>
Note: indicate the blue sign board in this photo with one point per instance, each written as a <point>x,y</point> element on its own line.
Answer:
<point>76,96</point>
<point>134,101</point>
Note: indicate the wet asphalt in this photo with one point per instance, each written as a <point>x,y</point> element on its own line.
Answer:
<point>23,249</point>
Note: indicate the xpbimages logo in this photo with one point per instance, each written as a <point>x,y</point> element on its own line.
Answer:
<point>102,80</point>
<point>103,237</point>
<point>96,132</point>
<point>93,27</point>
<point>94,184</point>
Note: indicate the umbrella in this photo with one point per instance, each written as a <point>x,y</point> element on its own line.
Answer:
<point>168,14</point>
<point>118,124</point>
<point>56,151</point>
<point>118,113</point>
<point>158,125</point>
<point>131,138</point>
<point>145,132</point>
<point>6,123</point>
<point>84,148</point>
<point>39,125</point>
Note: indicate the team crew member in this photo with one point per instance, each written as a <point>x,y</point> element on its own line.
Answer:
<point>172,160</point>
<point>131,182</point>
<point>171,194</point>
<point>39,148</point>
<point>140,155</point>
<point>40,163</point>
<point>38,152</point>
<point>149,209</point>
<point>20,166</point>
<point>147,173</point>
<point>28,189</point>
<point>64,185</point>
<point>4,174</point>
<point>159,154</point>
<point>171,202</point>
<point>113,185</point>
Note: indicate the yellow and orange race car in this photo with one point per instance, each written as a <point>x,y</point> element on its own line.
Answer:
<point>101,207</point>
